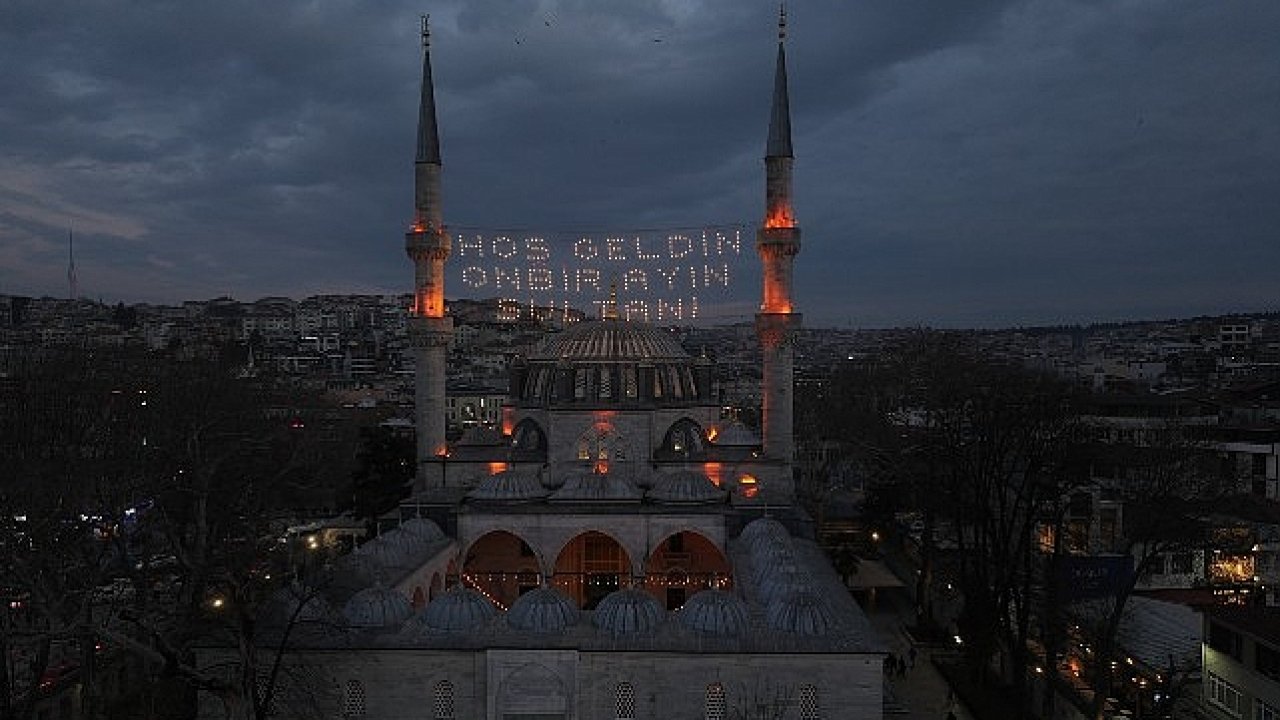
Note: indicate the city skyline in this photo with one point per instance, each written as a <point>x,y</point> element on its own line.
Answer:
<point>1011,163</point>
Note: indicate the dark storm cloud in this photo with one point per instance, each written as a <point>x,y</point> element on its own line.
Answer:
<point>958,163</point>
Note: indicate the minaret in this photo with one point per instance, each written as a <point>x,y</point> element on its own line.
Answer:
<point>428,246</point>
<point>778,242</point>
<point>73,281</point>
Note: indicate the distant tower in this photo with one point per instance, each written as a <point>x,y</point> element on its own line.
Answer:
<point>73,282</point>
<point>778,242</point>
<point>428,246</point>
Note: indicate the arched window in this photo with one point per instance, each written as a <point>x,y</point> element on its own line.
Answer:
<point>626,701</point>
<point>353,699</point>
<point>528,441</point>
<point>809,703</point>
<point>444,700</point>
<point>684,439</point>
<point>601,443</point>
<point>715,702</point>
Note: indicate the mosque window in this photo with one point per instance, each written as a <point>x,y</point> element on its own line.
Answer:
<point>606,383</point>
<point>580,384</point>
<point>715,702</point>
<point>444,700</point>
<point>626,701</point>
<point>809,703</point>
<point>657,384</point>
<point>629,385</point>
<point>353,699</point>
<point>584,449</point>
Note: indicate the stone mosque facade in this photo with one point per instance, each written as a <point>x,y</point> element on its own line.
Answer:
<point>615,551</point>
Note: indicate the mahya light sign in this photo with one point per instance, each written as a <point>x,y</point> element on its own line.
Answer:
<point>660,275</point>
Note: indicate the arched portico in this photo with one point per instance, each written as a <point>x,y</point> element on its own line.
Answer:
<point>496,563</point>
<point>591,565</point>
<point>682,563</point>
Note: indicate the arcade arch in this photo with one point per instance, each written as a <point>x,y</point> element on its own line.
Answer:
<point>683,563</point>
<point>501,565</point>
<point>590,566</point>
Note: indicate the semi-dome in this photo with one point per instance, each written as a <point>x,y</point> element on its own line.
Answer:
<point>510,486</point>
<point>543,610</point>
<point>377,607</point>
<point>423,528</point>
<point>610,362</point>
<point>684,487</point>
<point>459,610</point>
<point>629,611</point>
<point>714,612</point>
<point>589,487</point>
<point>802,612</point>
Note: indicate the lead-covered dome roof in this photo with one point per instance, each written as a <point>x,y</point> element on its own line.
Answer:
<point>377,607</point>
<point>684,487</point>
<point>802,612</point>
<point>543,610</point>
<point>610,362</point>
<point>603,340</point>
<point>460,610</point>
<point>714,612</point>
<point>629,611</point>
<point>509,486</point>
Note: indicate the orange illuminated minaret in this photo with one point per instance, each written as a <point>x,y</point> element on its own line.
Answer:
<point>428,246</point>
<point>778,242</point>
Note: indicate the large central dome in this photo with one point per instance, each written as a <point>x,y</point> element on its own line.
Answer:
<point>609,341</point>
<point>608,363</point>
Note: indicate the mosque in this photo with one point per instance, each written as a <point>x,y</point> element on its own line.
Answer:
<point>616,550</point>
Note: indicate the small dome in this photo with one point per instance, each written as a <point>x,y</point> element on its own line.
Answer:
<point>542,610</point>
<point>779,582</point>
<point>459,610</point>
<point>423,528</point>
<point>735,434</point>
<point>589,487</point>
<point>377,607</point>
<point>803,612</point>
<point>629,611</point>
<point>714,612</point>
<point>511,486</point>
<point>394,550</point>
<point>281,608</point>
<point>684,487</point>
<point>760,530</point>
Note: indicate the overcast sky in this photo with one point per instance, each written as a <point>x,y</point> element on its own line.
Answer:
<point>958,163</point>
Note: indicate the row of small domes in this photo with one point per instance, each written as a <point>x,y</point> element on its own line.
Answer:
<point>547,610</point>
<point>678,487</point>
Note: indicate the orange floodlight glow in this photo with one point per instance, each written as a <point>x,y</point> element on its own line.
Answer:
<point>497,467</point>
<point>713,471</point>
<point>749,485</point>
<point>780,216</point>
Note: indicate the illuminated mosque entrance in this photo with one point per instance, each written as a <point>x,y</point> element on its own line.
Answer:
<point>590,567</point>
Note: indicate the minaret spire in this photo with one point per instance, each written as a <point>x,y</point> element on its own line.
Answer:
<point>73,281</point>
<point>428,136</point>
<point>778,242</point>
<point>428,246</point>
<point>779,144</point>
